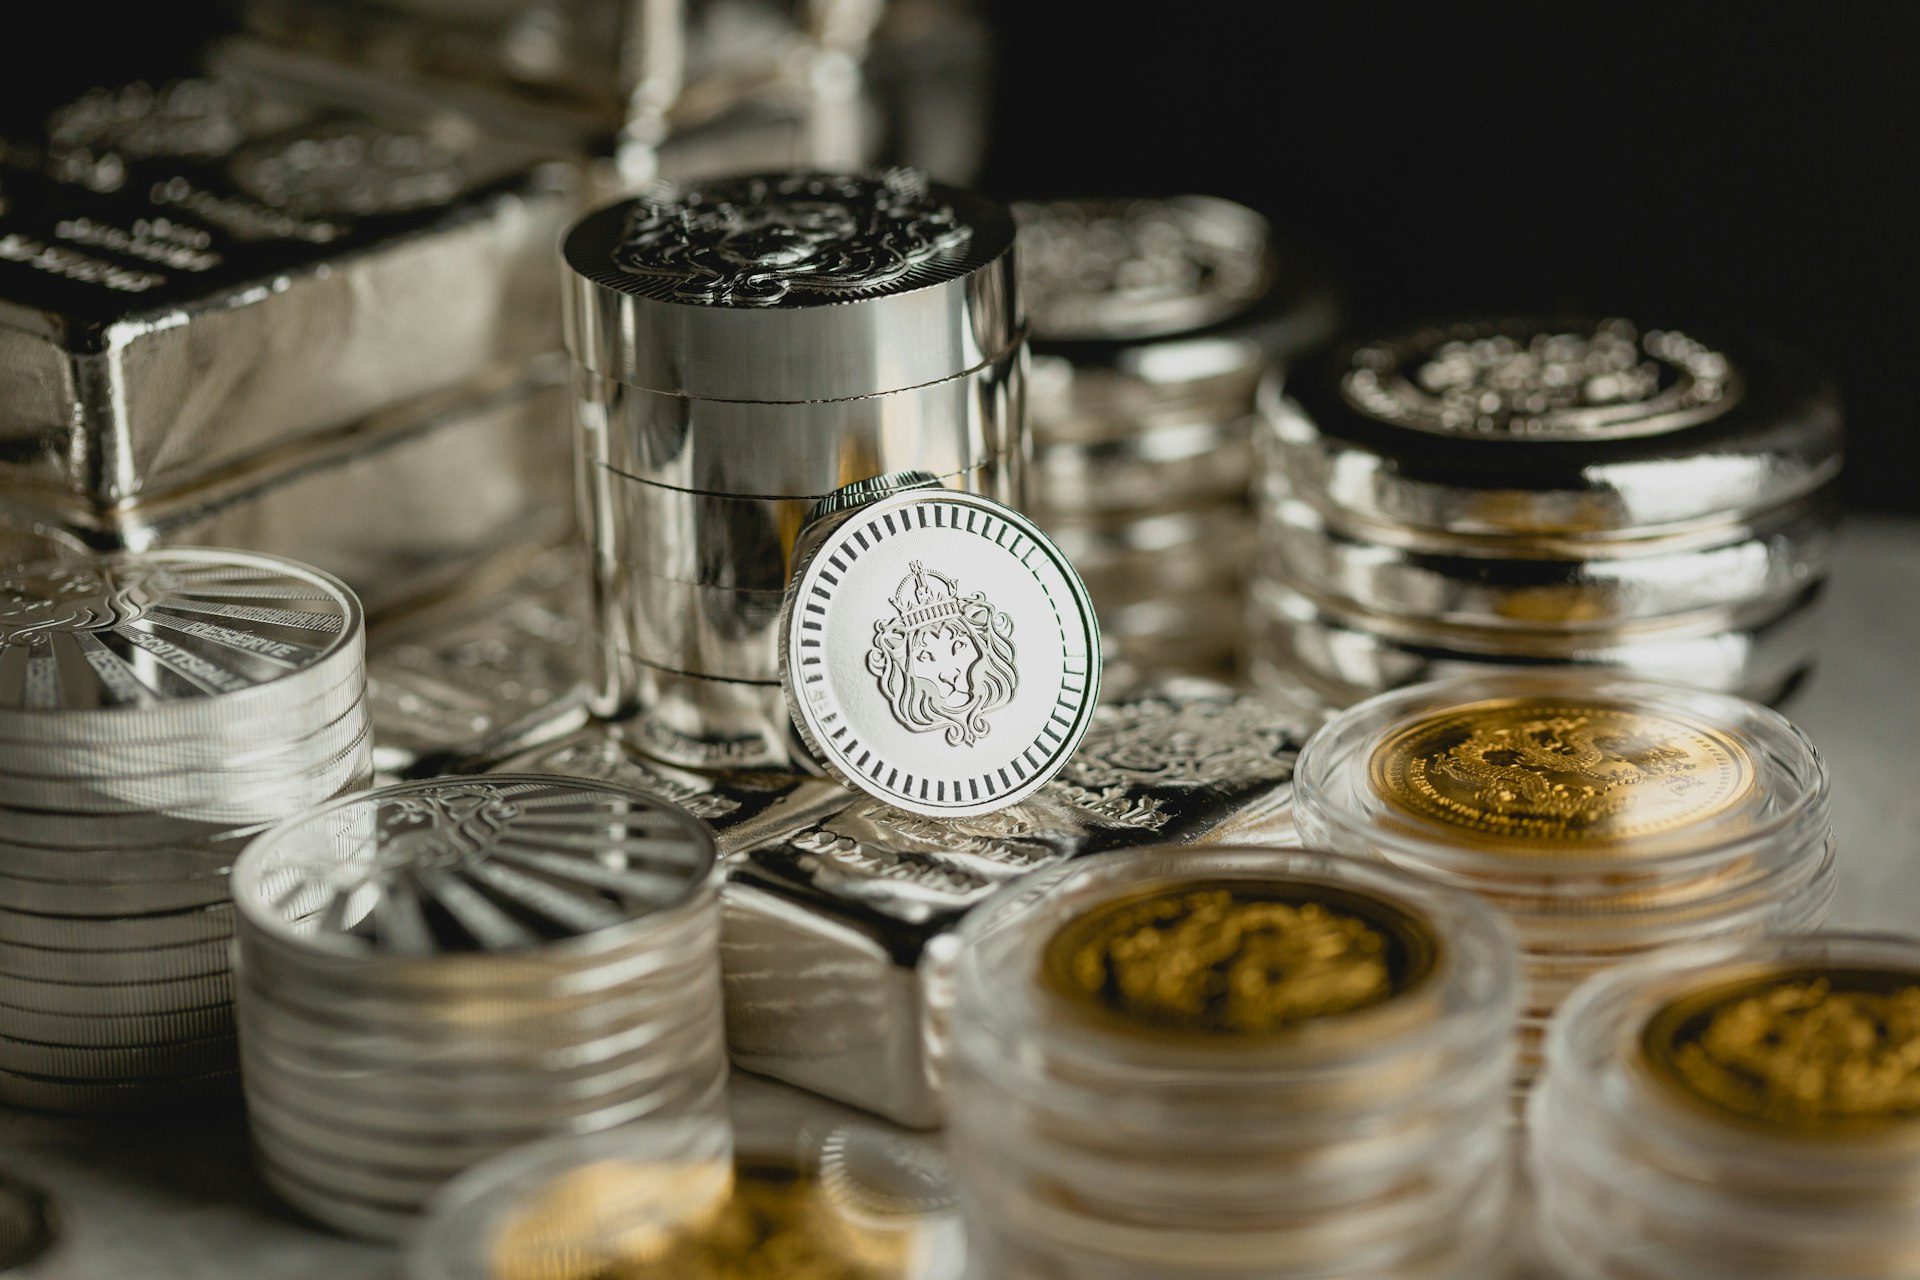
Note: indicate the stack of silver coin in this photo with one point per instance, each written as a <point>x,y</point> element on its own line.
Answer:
<point>1525,492</point>
<point>156,711</point>
<point>1152,323</point>
<point>743,348</point>
<point>434,972</point>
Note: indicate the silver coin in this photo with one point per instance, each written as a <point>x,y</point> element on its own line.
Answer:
<point>705,631</point>
<point>508,862</point>
<point>159,639</point>
<point>1168,465</point>
<point>195,960</point>
<point>939,653</point>
<point>692,721</point>
<point>380,1222</point>
<point>111,933</point>
<point>91,1031</point>
<point>116,866</point>
<point>127,898</point>
<point>411,1180</point>
<point>167,1060</point>
<point>118,999</point>
<point>39,1093</point>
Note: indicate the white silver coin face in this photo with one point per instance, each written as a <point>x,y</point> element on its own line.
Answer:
<point>941,654</point>
<point>135,630</point>
<point>510,862</point>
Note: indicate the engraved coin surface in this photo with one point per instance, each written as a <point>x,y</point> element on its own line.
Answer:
<point>501,863</point>
<point>1237,958</point>
<point>1549,775</point>
<point>1817,1051</point>
<point>940,653</point>
<point>139,629</point>
<point>793,239</point>
<point>1116,269</point>
<point>1522,380</point>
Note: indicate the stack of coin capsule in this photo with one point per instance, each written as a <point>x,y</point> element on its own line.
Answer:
<point>1232,1064</point>
<point>1604,816</point>
<point>1152,323</point>
<point>1743,1112</point>
<point>743,348</point>
<point>1526,492</point>
<point>434,972</point>
<point>156,710</point>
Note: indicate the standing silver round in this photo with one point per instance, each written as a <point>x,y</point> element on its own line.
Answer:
<point>742,348</point>
<point>1153,320</point>
<point>156,711</point>
<point>433,972</point>
<point>1523,491</point>
<point>940,653</point>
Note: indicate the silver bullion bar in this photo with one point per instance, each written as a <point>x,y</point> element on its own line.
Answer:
<point>184,287</point>
<point>1770,560</point>
<point>839,908</point>
<point>435,490</point>
<point>1347,655</point>
<point>753,448</point>
<point>486,673</point>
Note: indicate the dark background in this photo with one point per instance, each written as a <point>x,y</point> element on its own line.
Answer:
<point>1680,163</point>
<point>1684,162</point>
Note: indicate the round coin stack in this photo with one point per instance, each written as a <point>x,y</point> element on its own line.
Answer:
<point>1736,1112</point>
<point>1153,320</point>
<point>1231,1064</point>
<point>1604,816</point>
<point>156,711</point>
<point>1527,492</point>
<point>434,972</point>
<point>743,348</point>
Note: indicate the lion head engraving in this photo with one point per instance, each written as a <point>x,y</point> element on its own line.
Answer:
<point>755,242</point>
<point>944,660</point>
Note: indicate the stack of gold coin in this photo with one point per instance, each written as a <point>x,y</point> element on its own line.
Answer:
<point>1153,321</point>
<point>1736,1112</point>
<point>1232,1064</point>
<point>1604,816</point>
<point>1519,492</point>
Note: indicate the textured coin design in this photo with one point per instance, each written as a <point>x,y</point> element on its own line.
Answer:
<point>139,629</point>
<point>1236,958</point>
<point>940,653</point>
<point>1814,1050</point>
<point>1550,775</point>
<point>503,863</point>
<point>1535,380</point>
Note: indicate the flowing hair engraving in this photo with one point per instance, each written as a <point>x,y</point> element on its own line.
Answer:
<point>945,661</point>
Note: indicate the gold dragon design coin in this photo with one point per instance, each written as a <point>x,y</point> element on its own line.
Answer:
<point>1546,775</point>
<point>1815,1051</point>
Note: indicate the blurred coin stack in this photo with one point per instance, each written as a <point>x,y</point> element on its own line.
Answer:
<point>743,348</point>
<point>1525,492</point>
<point>434,972</point>
<point>1152,322</point>
<point>156,710</point>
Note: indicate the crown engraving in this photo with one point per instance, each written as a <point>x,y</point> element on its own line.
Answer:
<point>945,660</point>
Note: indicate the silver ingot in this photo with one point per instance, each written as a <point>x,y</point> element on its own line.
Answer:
<point>838,908</point>
<point>862,284</point>
<point>483,675</point>
<point>1589,429</point>
<point>176,299</point>
<point>757,449</point>
<point>938,652</point>
<point>1347,654</point>
<point>1511,584</point>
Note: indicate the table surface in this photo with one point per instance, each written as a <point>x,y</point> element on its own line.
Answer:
<point>176,1198</point>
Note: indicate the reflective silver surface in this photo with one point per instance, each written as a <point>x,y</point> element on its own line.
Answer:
<point>863,285</point>
<point>1163,466</point>
<point>774,450</point>
<point>694,721</point>
<point>1347,655</point>
<point>938,651</point>
<point>435,489</point>
<point>1122,557</point>
<point>305,269</point>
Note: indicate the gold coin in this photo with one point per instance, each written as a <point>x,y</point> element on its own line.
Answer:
<point>1238,959</point>
<point>629,1221</point>
<point>1815,1051</point>
<point>1540,775</point>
